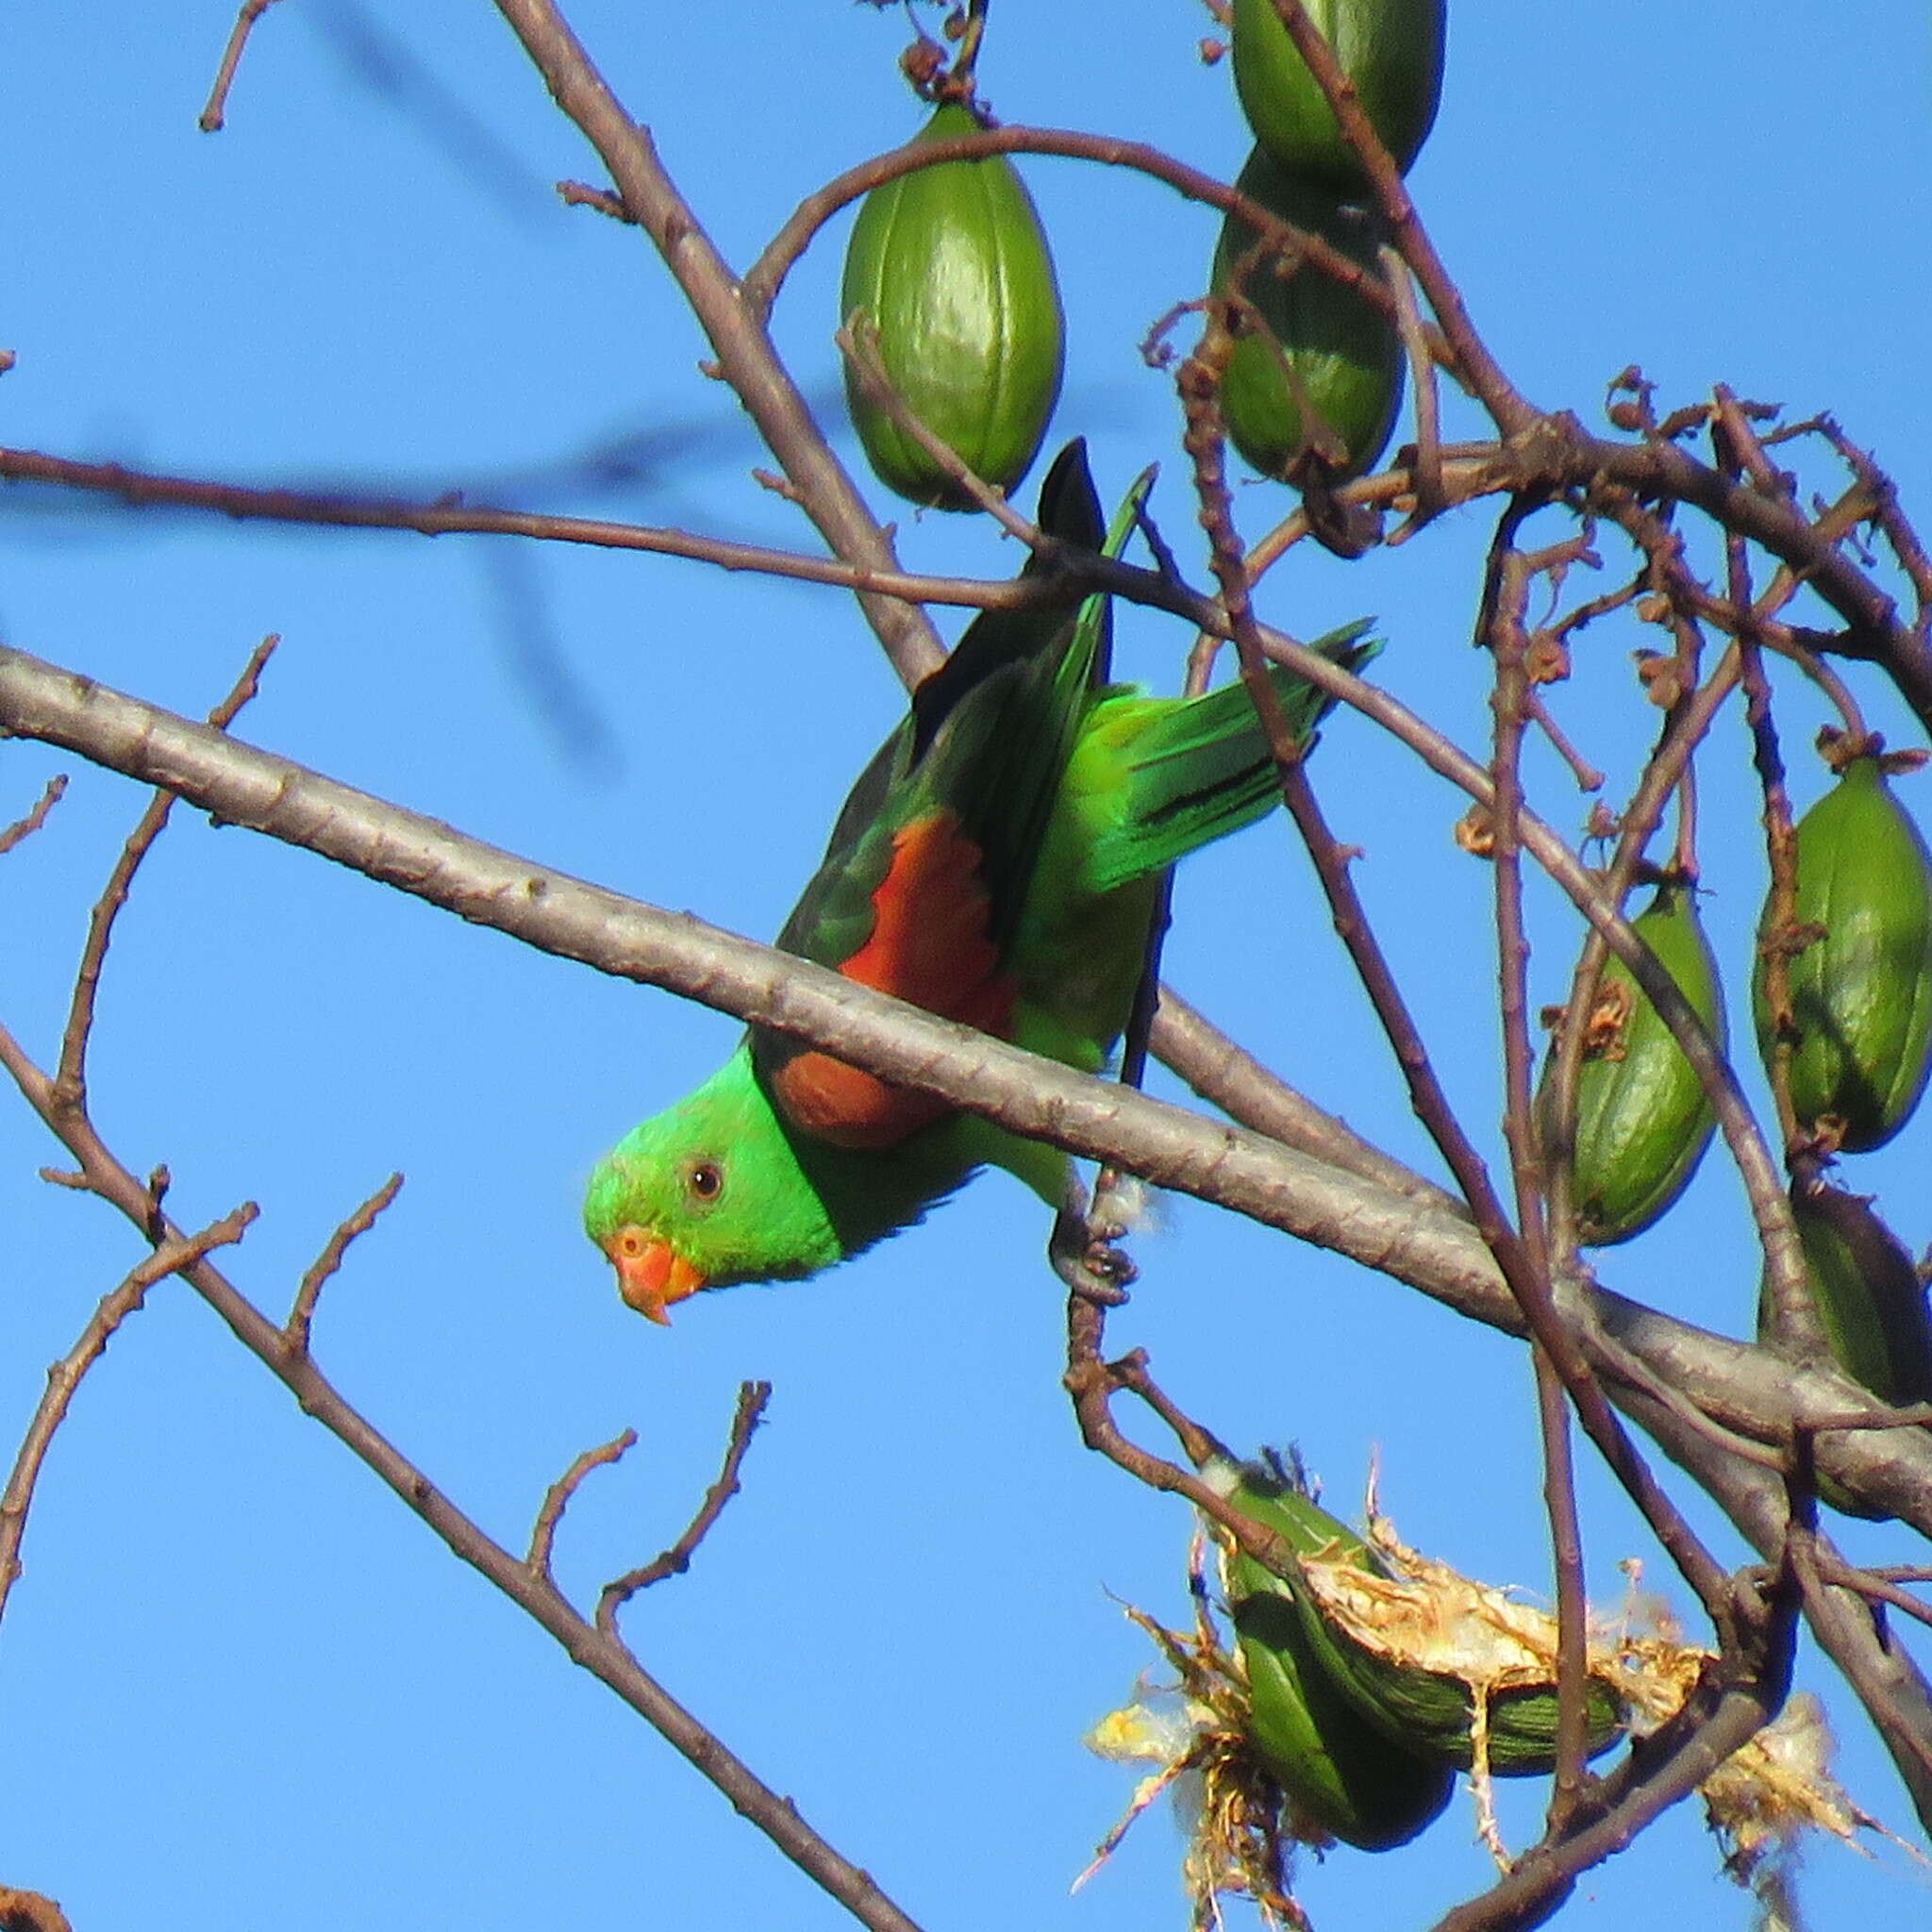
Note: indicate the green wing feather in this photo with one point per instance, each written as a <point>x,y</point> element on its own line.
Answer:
<point>1187,771</point>
<point>989,736</point>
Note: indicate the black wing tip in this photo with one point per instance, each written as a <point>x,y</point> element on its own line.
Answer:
<point>1069,503</point>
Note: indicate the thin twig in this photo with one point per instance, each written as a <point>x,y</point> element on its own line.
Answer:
<point>449,516</point>
<point>1877,1589</point>
<point>23,828</point>
<point>69,1078</point>
<point>1531,1291</point>
<point>1512,413</point>
<point>745,355</point>
<point>1228,1077</point>
<point>302,1313</point>
<point>765,277</point>
<point>175,1257</point>
<point>556,1499</point>
<point>597,1651</point>
<point>1429,498</point>
<point>1502,628</point>
<point>857,342</point>
<point>752,1398</point>
<point>214,116</point>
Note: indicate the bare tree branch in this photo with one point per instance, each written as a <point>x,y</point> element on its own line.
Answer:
<point>175,1257</point>
<point>302,1312</point>
<point>600,1652</point>
<point>746,359</point>
<point>1739,1386</point>
<point>752,1398</point>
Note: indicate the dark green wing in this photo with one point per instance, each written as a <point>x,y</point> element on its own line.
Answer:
<point>987,739</point>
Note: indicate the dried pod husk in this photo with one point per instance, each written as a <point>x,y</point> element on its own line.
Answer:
<point>1411,1660</point>
<point>950,265</point>
<point>1870,1300</point>
<point>1391,50</point>
<point>1642,1120</point>
<point>1862,994</point>
<point>1320,379</point>
<point>1339,1772</point>
<point>1433,1710</point>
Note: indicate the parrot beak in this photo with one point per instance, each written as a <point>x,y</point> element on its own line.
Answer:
<point>649,1276</point>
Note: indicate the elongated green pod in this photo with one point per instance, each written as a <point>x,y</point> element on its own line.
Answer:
<point>951,266</point>
<point>1868,1297</point>
<point>1337,1772</point>
<point>1391,52</point>
<point>1433,1712</point>
<point>1427,1713</point>
<point>1323,374</point>
<point>1642,1120</point>
<point>1861,993</point>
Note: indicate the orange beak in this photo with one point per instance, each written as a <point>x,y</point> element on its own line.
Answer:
<point>649,1276</point>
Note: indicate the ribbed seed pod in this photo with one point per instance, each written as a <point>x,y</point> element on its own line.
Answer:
<point>951,266</point>
<point>1339,1771</point>
<point>1325,373</point>
<point>1868,1297</point>
<point>1642,1121</point>
<point>1861,993</point>
<point>1391,50</point>
<point>1428,1713</point>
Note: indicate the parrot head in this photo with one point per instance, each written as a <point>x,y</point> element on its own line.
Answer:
<point>704,1194</point>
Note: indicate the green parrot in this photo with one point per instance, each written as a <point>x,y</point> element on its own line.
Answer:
<point>998,863</point>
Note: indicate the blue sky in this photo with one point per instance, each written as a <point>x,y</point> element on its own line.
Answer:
<point>242,1687</point>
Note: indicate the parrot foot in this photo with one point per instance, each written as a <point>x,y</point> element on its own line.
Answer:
<point>1086,1256</point>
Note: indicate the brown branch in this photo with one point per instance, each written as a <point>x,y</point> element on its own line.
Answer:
<point>745,355</point>
<point>1430,498</point>
<point>1392,1232</point>
<point>752,1398</point>
<point>597,1651</point>
<point>1514,414</point>
<point>1880,1670</point>
<point>301,1320</point>
<point>1530,1287</point>
<point>556,1499</point>
<point>1503,628</point>
<point>214,116</point>
<point>447,516</point>
<point>1794,1318</point>
<point>1224,1074</point>
<point>25,828</point>
<point>764,278</point>
<point>857,342</point>
<point>175,1257</point>
<point>1661,1770</point>
<point>70,1079</point>
<point>1876,1589</point>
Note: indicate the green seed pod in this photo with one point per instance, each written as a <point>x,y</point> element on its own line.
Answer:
<point>1862,995</point>
<point>951,266</point>
<point>1868,1294</point>
<point>1428,1714</point>
<point>1339,1772</point>
<point>1392,50</point>
<point>1325,373</point>
<point>1642,1121</point>
<point>1434,1712</point>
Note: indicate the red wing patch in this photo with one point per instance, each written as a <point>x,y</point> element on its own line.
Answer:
<point>929,945</point>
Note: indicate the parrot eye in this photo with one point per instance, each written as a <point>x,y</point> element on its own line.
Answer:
<point>705,1180</point>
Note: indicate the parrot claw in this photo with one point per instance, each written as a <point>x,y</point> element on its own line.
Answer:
<point>1084,1256</point>
<point>1108,1271</point>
